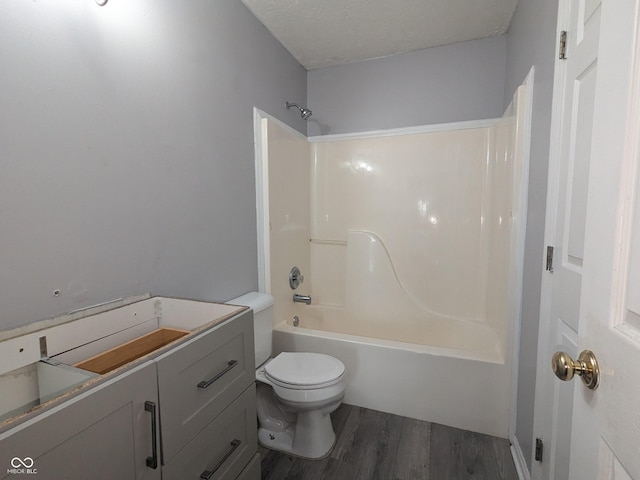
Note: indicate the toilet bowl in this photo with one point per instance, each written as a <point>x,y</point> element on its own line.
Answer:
<point>297,391</point>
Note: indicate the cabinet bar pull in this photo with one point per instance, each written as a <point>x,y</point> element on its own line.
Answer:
<point>152,461</point>
<point>207,383</point>
<point>207,474</point>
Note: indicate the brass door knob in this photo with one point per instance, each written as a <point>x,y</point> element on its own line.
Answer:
<point>586,366</point>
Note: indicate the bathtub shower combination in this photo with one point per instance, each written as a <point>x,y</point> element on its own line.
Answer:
<point>410,243</point>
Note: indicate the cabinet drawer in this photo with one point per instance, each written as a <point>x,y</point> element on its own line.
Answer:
<point>253,470</point>
<point>198,379</point>
<point>223,448</point>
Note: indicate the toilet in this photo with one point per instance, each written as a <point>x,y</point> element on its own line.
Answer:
<point>296,391</point>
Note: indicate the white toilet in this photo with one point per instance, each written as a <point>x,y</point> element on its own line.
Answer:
<point>296,391</point>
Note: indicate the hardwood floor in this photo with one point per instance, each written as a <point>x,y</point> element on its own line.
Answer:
<point>376,445</point>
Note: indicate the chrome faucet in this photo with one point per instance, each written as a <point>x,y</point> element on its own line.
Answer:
<point>302,298</point>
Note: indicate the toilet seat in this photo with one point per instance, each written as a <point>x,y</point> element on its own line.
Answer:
<point>306,370</point>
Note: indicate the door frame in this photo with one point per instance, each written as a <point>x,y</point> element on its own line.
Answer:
<point>543,400</point>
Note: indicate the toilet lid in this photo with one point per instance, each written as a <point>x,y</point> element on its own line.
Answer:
<point>295,368</point>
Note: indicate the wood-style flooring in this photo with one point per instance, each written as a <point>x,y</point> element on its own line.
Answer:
<point>375,445</point>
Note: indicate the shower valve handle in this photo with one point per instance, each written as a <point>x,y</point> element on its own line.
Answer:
<point>295,278</point>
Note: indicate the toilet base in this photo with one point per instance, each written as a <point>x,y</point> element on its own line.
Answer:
<point>311,436</point>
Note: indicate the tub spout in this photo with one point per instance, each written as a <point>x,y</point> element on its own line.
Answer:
<point>302,298</point>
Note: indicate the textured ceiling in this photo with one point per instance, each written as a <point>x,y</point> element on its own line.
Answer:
<point>321,33</point>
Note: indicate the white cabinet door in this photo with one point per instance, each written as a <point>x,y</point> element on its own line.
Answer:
<point>103,434</point>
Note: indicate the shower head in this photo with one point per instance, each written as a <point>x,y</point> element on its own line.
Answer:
<point>305,113</point>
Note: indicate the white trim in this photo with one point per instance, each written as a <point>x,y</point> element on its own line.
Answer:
<point>520,236</point>
<point>264,115</point>
<point>438,127</point>
<point>541,414</point>
<point>262,200</point>
<point>518,459</point>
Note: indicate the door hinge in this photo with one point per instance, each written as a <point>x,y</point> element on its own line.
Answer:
<point>549,264</point>
<point>562,55</point>
<point>539,449</point>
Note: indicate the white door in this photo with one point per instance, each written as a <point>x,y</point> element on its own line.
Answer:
<point>605,426</point>
<point>605,440</point>
<point>576,74</point>
<point>596,231</point>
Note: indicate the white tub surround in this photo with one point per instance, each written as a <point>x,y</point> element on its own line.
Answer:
<point>411,250</point>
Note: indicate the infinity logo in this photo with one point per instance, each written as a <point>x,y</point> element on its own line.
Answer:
<point>26,462</point>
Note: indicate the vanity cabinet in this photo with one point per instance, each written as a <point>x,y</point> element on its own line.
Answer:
<point>186,410</point>
<point>103,434</point>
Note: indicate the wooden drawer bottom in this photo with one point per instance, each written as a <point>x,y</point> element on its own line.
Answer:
<point>130,351</point>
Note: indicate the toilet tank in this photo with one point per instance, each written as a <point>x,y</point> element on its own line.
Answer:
<point>262,306</point>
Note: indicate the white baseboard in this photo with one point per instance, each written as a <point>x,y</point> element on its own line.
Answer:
<point>518,459</point>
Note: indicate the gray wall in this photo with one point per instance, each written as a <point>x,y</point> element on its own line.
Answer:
<point>531,41</point>
<point>126,149</point>
<point>464,81</point>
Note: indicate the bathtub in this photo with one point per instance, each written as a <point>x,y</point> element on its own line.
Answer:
<point>462,388</point>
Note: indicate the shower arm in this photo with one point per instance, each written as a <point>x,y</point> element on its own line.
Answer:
<point>305,113</point>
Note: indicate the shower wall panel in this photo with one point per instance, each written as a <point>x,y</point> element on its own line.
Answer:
<point>505,186</point>
<point>413,202</point>
<point>499,221</point>
<point>289,206</point>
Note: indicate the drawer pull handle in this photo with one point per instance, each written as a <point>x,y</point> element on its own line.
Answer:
<point>152,461</point>
<point>207,383</point>
<point>207,474</point>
